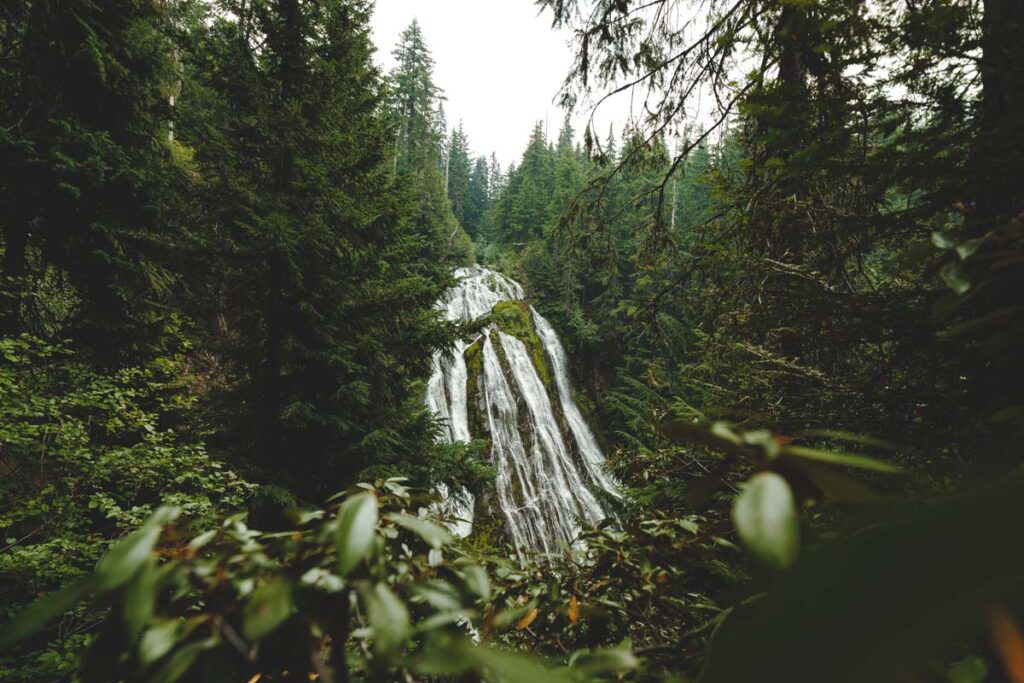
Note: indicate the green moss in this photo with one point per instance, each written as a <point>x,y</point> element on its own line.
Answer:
<point>474,355</point>
<point>513,318</point>
<point>488,531</point>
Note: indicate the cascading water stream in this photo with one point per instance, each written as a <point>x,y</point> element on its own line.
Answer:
<point>549,465</point>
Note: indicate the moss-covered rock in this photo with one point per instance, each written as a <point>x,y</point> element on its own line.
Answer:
<point>474,355</point>
<point>513,318</point>
<point>489,530</point>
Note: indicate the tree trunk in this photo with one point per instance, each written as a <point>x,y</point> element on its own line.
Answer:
<point>999,148</point>
<point>284,174</point>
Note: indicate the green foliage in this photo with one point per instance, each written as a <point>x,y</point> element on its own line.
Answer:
<point>435,184</point>
<point>766,521</point>
<point>88,182</point>
<point>349,591</point>
<point>656,583</point>
<point>323,265</point>
<point>87,458</point>
<point>943,559</point>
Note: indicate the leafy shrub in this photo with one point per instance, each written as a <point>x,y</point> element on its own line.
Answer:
<point>369,588</point>
<point>86,458</point>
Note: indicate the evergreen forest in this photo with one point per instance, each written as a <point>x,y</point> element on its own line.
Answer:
<point>299,383</point>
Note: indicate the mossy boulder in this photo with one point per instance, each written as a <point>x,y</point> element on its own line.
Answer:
<point>513,318</point>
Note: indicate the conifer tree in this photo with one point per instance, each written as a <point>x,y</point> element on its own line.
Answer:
<point>478,199</point>
<point>459,171</point>
<point>325,343</point>
<point>415,105</point>
<point>87,172</point>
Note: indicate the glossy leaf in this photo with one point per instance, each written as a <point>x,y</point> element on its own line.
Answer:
<point>766,519</point>
<point>267,609</point>
<point>478,581</point>
<point>434,534</point>
<point>129,555</point>
<point>389,618</point>
<point>140,597</point>
<point>357,526</point>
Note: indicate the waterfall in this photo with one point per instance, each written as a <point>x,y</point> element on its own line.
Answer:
<point>548,462</point>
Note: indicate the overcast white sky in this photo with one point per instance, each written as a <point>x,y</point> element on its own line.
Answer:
<point>499,62</point>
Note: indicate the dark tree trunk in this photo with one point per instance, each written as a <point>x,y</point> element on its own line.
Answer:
<point>999,149</point>
<point>284,175</point>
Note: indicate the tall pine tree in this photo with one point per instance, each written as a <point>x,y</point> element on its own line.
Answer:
<point>329,298</point>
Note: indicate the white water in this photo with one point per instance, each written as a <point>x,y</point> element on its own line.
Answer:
<point>586,444</point>
<point>546,479</point>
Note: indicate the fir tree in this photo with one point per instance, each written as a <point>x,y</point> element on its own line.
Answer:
<point>325,344</point>
<point>422,158</point>
<point>87,171</point>
<point>478,197</point>
<point>459,172</point>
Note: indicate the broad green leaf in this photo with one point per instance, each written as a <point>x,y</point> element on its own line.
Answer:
<point>507,667</point>
<point>41,613</point>
<point>445,656</point>
<point>968,670</point>
<point>867,605</point>
<point>434,534</point>
<point>619,659</point>
<point>129,555</point>
<point>844,459</point>
<point>270,605</point>
<point>179,663</point>
<point>966,249</point>
<point>140,597</point>
<point>766,519</point>
<point>158,640</point>
<point>357,525</point>
<point>439,594</point>
<point>954,278</point>
<point>478,581</point>
<point>942,240</point>
<point>389,618</point>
